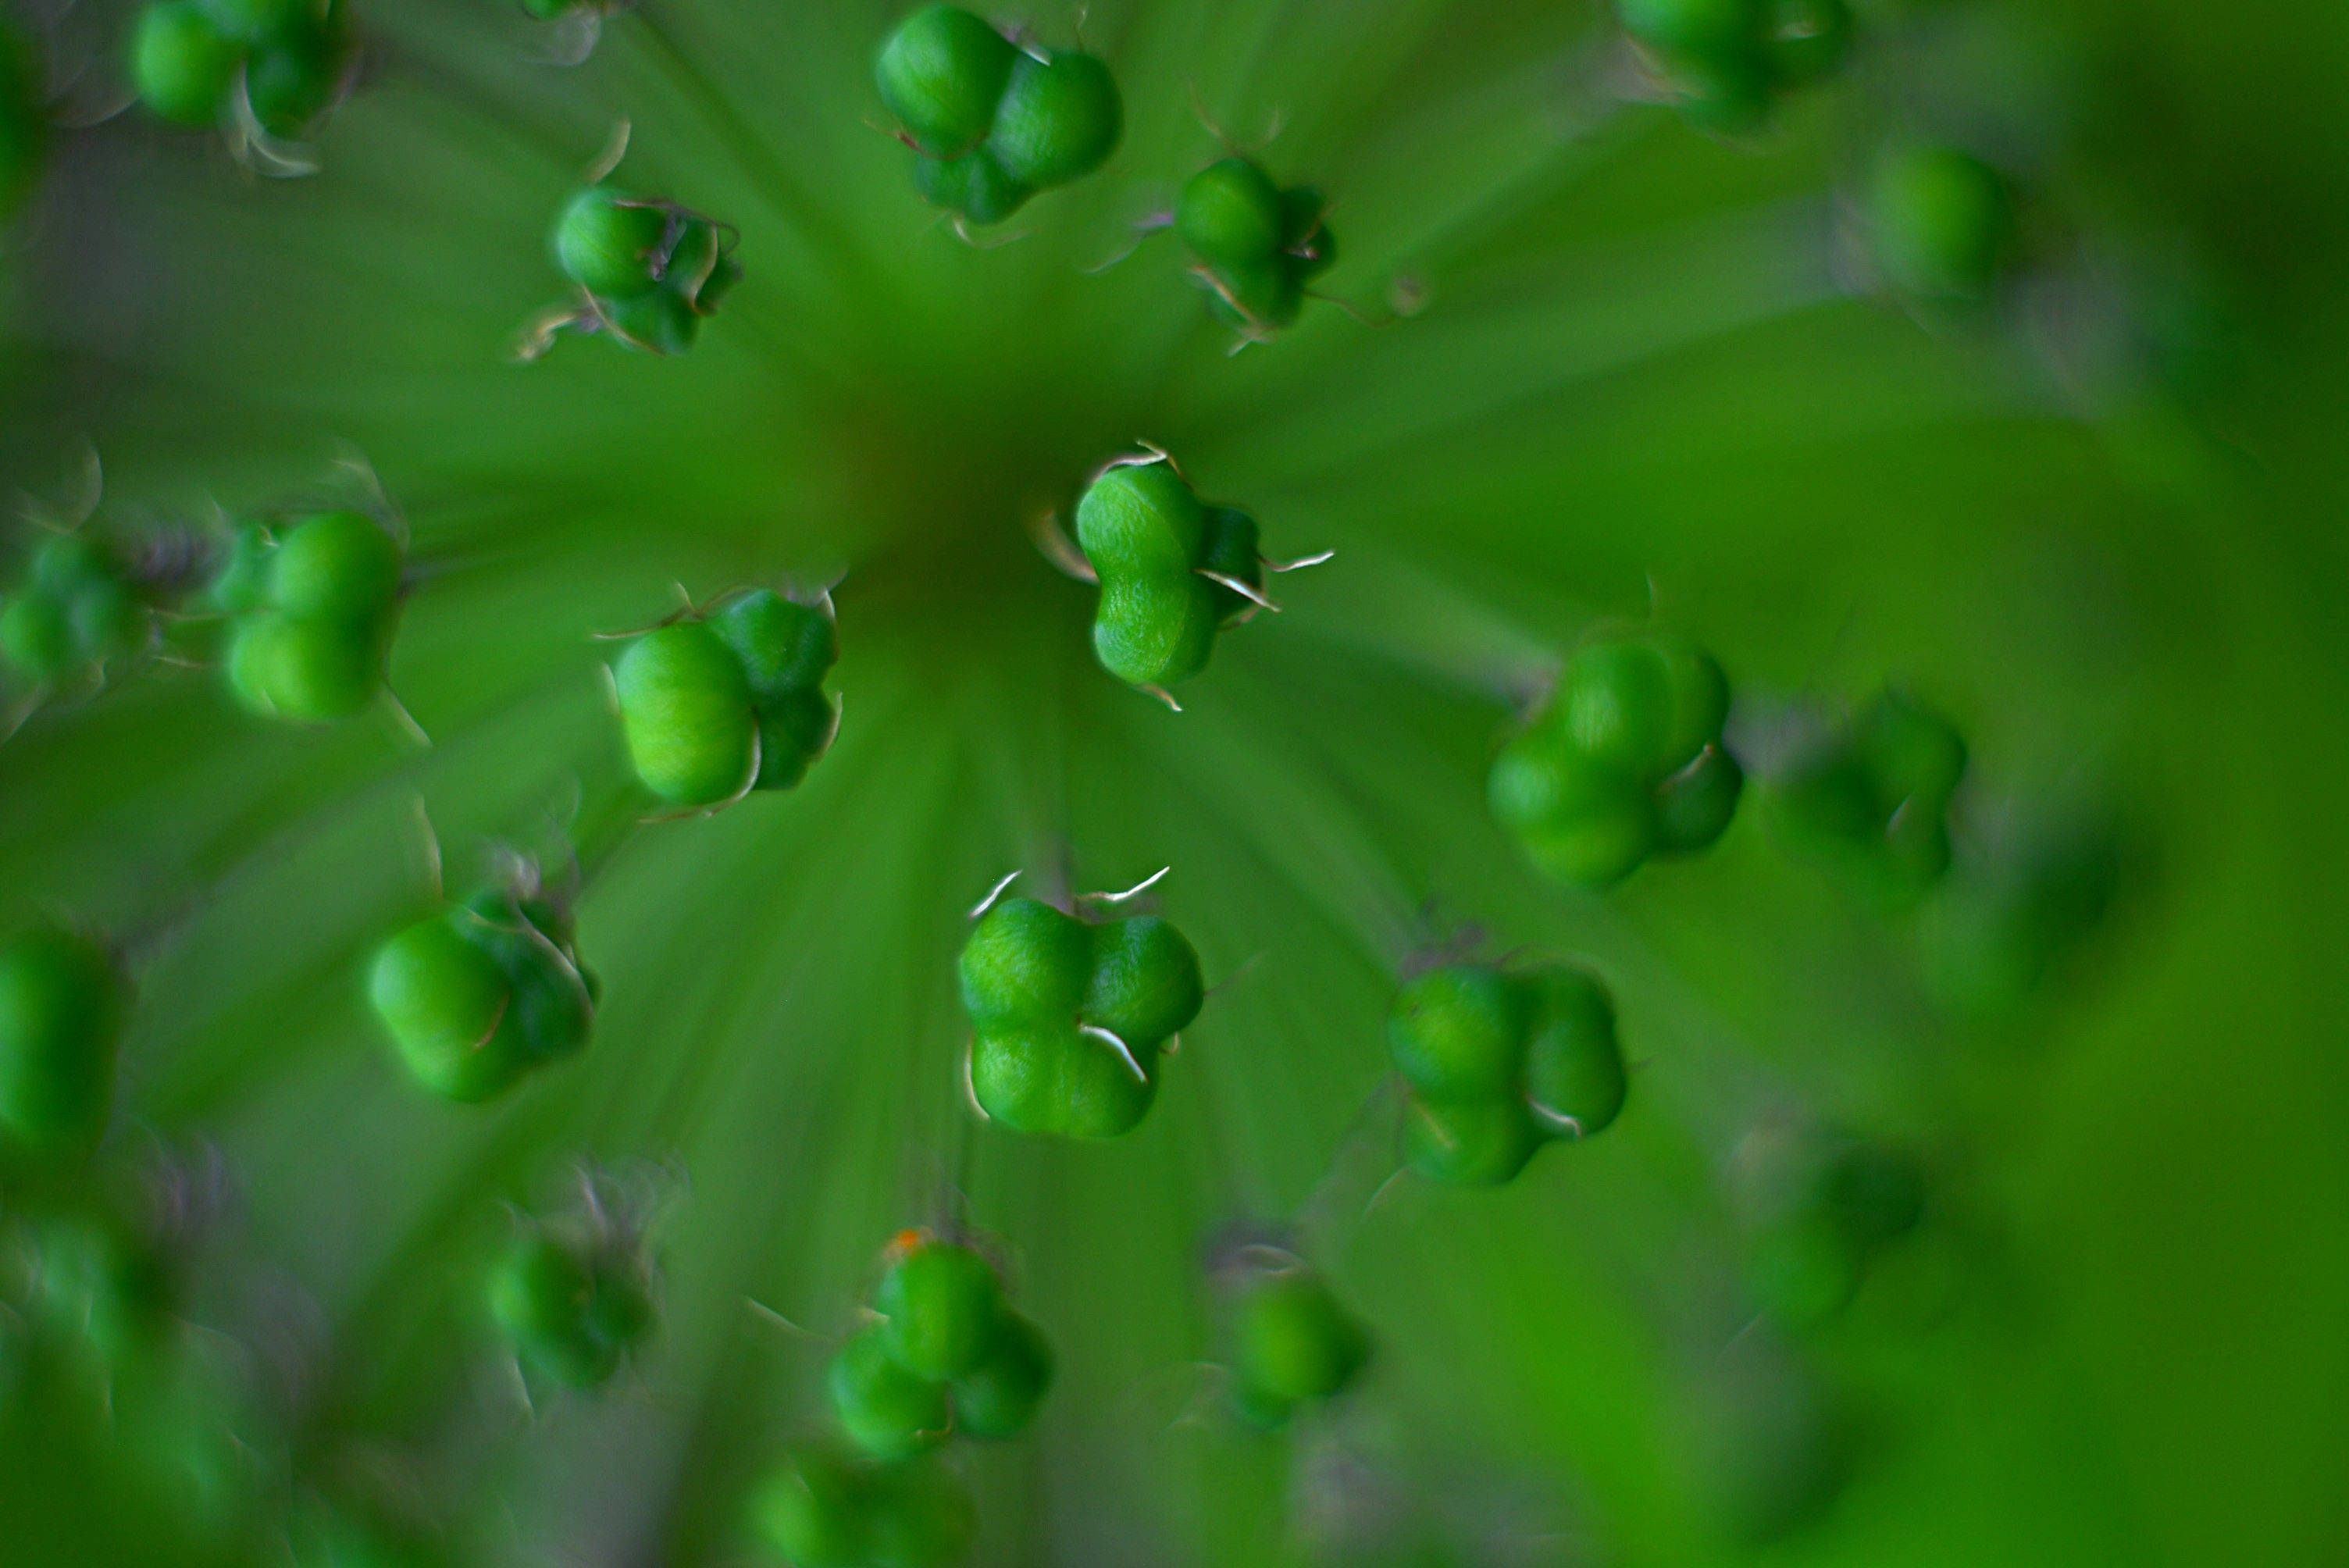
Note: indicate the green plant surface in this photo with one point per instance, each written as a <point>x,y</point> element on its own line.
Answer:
<point>1641,375</point>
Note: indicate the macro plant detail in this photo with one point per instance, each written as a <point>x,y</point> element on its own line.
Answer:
<point>1724,61</point>
<point>1070,1016</point>
<point>1871,798</point>
<point>994,118</point>
<point>575,1295</point>
<point>1497,1062</point>
<point>1257,246</point>
<point>1861,349</point>
<point>1291,1344</point>
<point>647,272</point>
<point>1624,760</point>
<point>717,705</point>
<point>312,607</point>
<point>1172,571</point>
<point>257,69</point>
<point>484,992</point>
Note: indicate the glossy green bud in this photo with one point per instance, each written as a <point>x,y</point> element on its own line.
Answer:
<point>1059,120</point>
<point>1056,1079</point>
<point>1469,1143</point>
<point>975,185</point>
<point>942,73</point>
<point>612,243</point>
<point>1694,806</point>
<point>1230,214</point>
<point>1943,221</point>
<point>336,566</point>
<point>1156,631</point>
<point>999,1395</point>
<point>1034,979</point>
<point>479,995</point>
<point>883,1408</point>
<point>1574,1067</point>
<point>573,1307</point>
<point>784,649</point>
<point>1305,230</point>
<point>1458,1033</point>
<point>62,1005</point>
<point>1581,822</point>
<point>1025,962</point>
<point>661,321</point>
<point>1141,520</point>
<point>1145,984</point>
<point>299,61</point>
<point>941,1307</point>
<point>1625,761</point>
<point>1872,799</point>
<point>444,1000</point>
<point>686,711</point>
<point>181,63</point>
<point>307,672</point>
<point>1292,1343</point>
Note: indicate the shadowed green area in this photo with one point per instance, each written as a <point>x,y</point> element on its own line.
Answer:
<point>1642,378</point>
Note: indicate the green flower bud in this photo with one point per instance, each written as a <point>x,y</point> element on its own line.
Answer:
<point>612,243</point>
<point>1145,983</point>
<point>884,1409</point>
<point>1026,962</point>
<point>686,711</point>
<point>942,73</point>
<point>336,565</point>
<point>299,65</point>
<point>999,1397</point>
<point>477,995</point>
<point>1458,1033</point>
<point>941,1307</point>
<point>1943,222</point>
<point>1141,520</point>
<point>444,1000</point>
<point>308,672</point>
<point>62,1005</point>
<point>1291,1343</point>
<point>1230,214</point>
<point>1034,980</point>
<point>181,63</point>
<point>1574,1067</point>
<point>1469,1143</point>
<point>1059,120</point>
<point>1625,761</point>
<point>1055,1079</point>
<point>662,320</point>
<point>1872,799</point>
<point>975,185</point>
<point>571,1306</point>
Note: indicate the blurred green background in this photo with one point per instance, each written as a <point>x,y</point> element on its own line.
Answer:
<point>1643,376</point>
